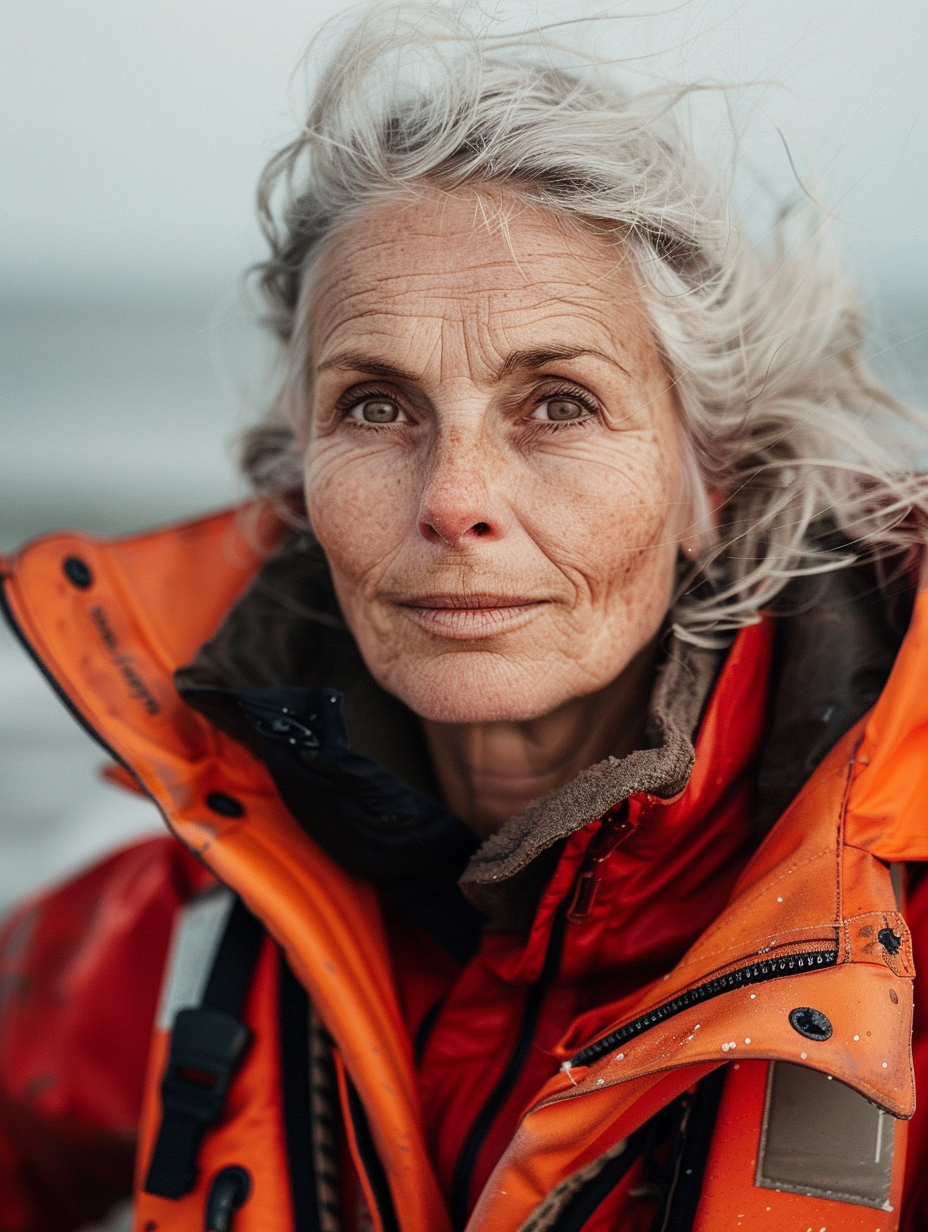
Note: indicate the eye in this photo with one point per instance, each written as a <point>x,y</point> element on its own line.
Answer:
<point>561,410</point>
<point>376,411</point>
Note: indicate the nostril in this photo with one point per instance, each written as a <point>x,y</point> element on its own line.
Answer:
<point>436,530</point>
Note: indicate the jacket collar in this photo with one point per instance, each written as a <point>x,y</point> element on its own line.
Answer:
<point>283,675</point>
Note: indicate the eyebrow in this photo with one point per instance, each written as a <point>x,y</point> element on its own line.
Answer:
<point>515,361</point>
<point>537,357</point>
<point>357,361</point>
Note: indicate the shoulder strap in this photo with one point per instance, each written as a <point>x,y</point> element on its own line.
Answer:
<point>207,1043</point>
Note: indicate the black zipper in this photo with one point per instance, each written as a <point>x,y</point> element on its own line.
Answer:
<point>534,1000</point>
<point>58,690</point>
<point>756,973</point>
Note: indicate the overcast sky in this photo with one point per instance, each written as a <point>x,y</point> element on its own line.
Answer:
<point>131,134</point>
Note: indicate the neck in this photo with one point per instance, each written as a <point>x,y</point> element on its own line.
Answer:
<point>488,772</point>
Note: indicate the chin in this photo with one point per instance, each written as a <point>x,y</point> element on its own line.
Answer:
<point>456,689</point>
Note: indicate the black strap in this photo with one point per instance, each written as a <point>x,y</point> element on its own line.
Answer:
<point>584,1203</point>
<point>689,1156</point>
<point>296,1083</point>
<point>371,1162</point>
<point>207,1044</point>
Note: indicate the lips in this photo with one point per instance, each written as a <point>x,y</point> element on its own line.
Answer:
<point>472,616</point>
<point>471,602</point>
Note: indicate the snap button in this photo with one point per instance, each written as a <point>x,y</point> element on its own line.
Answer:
<point>811,1023</point>
<point>77,572</point>
<point>890,941</point>
<point>225,806</point>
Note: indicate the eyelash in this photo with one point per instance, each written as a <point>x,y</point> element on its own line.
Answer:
<point>352,397</point>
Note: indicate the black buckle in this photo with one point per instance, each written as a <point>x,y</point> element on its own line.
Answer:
<point>206,1046</point>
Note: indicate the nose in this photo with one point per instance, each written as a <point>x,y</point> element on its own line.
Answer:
<point>458,504</point>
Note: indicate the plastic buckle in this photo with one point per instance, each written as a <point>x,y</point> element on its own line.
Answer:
<point>206,1046</point>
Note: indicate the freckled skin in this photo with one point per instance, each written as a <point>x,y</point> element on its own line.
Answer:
<point>491,426</point>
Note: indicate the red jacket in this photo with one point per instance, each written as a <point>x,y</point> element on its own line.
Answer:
<point>566,1072</point>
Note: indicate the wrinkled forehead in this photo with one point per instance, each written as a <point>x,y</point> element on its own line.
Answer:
<point>502,272</point>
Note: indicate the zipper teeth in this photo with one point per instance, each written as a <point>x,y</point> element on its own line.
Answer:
<point>756,973</point>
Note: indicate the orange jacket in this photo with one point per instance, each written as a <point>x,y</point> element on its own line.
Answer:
<point>814,933</point>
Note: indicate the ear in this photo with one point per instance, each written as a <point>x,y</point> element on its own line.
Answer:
<point>703,526</point>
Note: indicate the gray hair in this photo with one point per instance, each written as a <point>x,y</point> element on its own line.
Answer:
<point>764,349</point>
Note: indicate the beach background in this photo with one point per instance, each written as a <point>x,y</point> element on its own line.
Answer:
<point>131,137</point>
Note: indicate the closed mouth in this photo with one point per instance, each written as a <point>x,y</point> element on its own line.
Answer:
<point>471,617</point>
<point>471,602</point>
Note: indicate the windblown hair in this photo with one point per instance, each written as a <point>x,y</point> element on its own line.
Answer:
<point>764,349</point>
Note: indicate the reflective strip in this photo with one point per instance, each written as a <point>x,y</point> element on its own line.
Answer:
<point>822,1139</point>
<point>197,935</point>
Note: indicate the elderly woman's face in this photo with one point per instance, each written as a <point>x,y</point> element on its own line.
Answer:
<point>493,466</point>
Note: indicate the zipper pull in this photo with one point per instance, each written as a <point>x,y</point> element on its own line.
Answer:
<point>615,828</point>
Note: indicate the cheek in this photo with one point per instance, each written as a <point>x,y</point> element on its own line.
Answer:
<point>358,507</point>
<point>610,517</point>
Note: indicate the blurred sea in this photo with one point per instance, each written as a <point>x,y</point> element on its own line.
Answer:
<point>115,416</point>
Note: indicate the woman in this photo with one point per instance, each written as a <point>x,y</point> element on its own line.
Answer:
<point>546,820</point>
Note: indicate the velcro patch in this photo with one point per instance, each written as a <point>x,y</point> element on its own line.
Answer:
<point>823,1139</point>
